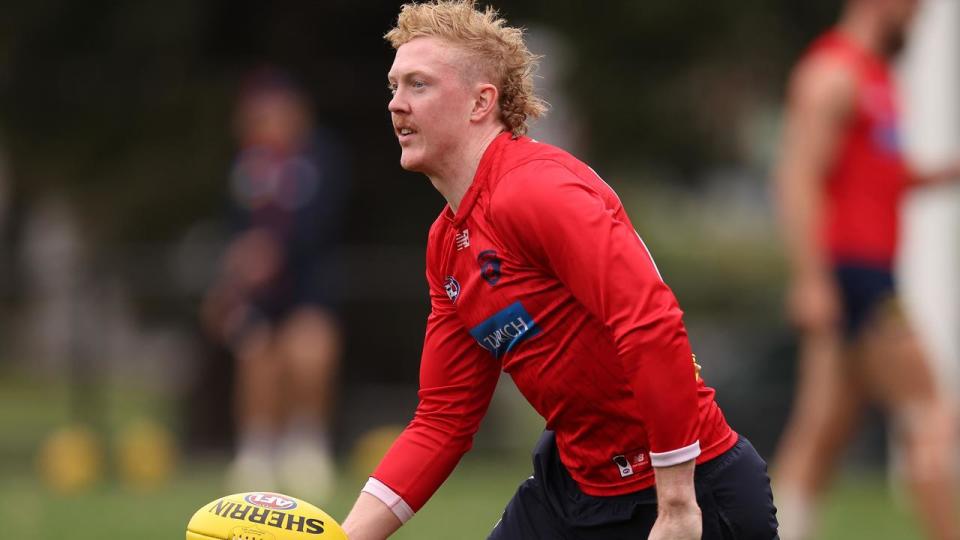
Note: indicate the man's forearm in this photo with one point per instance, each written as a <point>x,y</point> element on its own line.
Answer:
<point>675,486</point>
<point>678,515</point>
<point>370,519</point>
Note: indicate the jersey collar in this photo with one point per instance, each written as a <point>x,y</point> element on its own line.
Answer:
<point>489,158</point>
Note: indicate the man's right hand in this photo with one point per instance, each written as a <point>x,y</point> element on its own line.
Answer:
<point>813,302</point>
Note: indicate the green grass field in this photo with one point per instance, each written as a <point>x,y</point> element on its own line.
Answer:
<point>466,507</point>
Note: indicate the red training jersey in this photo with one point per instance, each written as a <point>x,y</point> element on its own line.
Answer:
<point>541,274</point>
<point>866,181</point>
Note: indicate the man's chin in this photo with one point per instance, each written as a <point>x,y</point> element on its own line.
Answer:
<point>411,163</point>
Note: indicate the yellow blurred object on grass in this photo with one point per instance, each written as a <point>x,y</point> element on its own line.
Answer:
<point>146,454</point>
<point>71,459</point>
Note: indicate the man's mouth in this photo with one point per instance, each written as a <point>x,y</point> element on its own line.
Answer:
<point>404,133</point>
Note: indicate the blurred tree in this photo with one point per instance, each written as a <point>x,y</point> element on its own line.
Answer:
<point>124,103</point>
<point>124,106</point>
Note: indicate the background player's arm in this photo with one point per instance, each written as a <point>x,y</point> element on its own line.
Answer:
<point>821,99</point>
<point>933,177</point>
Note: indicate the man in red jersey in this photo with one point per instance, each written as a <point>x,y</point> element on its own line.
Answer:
<point>535,269</point>
<point>841,180</point>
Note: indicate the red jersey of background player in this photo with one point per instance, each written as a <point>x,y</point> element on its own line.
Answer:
<point>868,177</point>
<point>541,274</point>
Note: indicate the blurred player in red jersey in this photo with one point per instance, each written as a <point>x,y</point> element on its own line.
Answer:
<point>841,179</point>
<point>535,269</point>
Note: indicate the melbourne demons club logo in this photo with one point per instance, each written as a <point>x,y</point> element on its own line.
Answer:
<point>272,501</point>
<point>452,286</point>
<point>489,266</point>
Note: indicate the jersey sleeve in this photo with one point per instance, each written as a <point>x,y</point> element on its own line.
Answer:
<point>578,231</point>
<point>457,381</point>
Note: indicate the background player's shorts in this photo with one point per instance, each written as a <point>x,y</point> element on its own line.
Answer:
<point>310,284</point>
<point>864,290</point>
<point>733,491</point>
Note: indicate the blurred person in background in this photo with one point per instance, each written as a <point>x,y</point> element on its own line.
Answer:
<point>840,180</point>
<point>535,269</point>
<point>272,304</point>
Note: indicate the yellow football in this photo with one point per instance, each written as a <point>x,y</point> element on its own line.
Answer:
<point>262,516</point>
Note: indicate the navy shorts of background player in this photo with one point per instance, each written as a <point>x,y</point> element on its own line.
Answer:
<point>864,290</point>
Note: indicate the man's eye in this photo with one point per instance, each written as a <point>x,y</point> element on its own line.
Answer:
<point>419,84</point>
<point>392,88</point>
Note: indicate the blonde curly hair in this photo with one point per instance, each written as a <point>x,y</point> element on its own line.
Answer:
<point>498,51</point>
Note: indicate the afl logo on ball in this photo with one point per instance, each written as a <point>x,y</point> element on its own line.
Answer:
<point>452,286</point>
<point>271,501</point>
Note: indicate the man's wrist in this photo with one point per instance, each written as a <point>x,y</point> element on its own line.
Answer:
<point>677,505</point>
<point>675,488</point>
<point>370,519</point>
<point>390,498</point>
<point>679,499</point>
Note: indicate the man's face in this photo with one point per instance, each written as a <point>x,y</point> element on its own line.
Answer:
<point>275,120</point>
<point>431,103</point>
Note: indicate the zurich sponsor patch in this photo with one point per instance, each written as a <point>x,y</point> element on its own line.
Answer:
<point>505,330</point>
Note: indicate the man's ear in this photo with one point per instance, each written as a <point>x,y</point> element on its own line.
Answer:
<point>485,101</point>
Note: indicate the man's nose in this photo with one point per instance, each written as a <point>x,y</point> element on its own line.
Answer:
<point>397,103</point>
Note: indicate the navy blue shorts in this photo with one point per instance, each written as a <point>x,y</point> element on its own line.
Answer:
<point>863,289</point>
<point>733,491</point>
<point>293,289</point>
